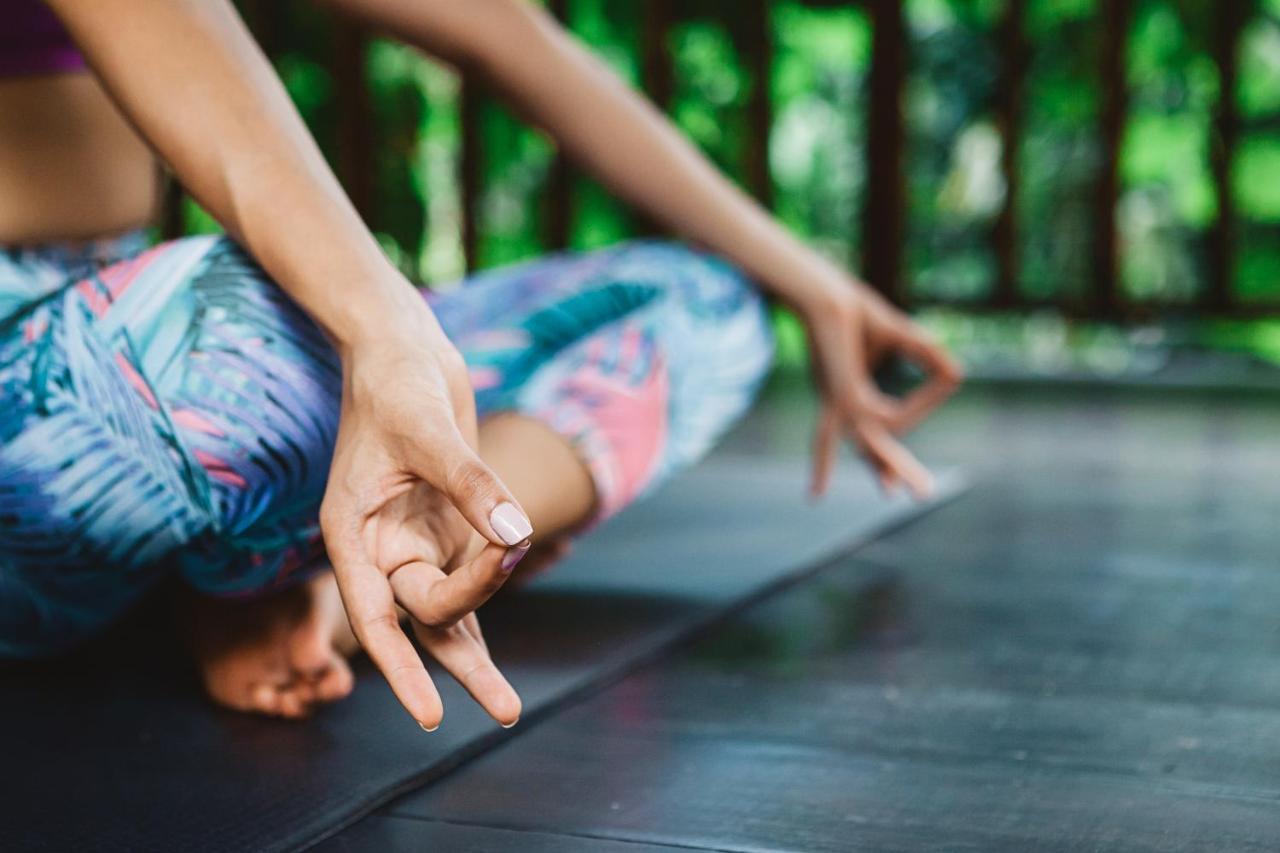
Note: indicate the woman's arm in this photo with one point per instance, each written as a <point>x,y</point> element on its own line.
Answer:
<point>617,136</point>
<point>200,92</point>
<point>190,78</point>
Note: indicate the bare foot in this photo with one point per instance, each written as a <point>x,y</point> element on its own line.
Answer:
<point>282,655</point>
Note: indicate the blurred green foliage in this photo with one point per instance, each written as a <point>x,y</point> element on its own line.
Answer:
<point>817,142</point>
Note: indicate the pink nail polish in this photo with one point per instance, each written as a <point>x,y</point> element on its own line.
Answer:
<point>515,555</point>
<point>510,524</point>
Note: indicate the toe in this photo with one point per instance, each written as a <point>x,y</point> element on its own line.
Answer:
<point>310,651</point>
<point>305,691</point>
<point>291,704</point>
<point>265,698</point>
<point>337,683</point>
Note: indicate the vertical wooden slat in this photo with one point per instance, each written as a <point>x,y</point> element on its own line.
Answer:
<point>657,73</point>
<point>470,165</point>
<point>759,49</point>
<point>263,20</point>
<point>173,219</point>
<point>1015,54</point>
<point>657,76</point>
<point>1228,28</point>
<point>884,210</point>
<point>1117,16</point>
<point>355,140</point>
<point>560,179</point>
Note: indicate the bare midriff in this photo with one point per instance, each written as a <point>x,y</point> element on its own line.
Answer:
<point>71,167</point>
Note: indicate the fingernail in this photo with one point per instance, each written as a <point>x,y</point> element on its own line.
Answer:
<point>508,725</point>
<point>423,726</point>
<point>510,524</point>
<point>515,555</point>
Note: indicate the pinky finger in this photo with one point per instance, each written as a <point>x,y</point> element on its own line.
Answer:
<point>894,461</point>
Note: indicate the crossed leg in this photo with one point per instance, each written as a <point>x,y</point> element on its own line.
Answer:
<point>175,411</point>
<point>285,654</point>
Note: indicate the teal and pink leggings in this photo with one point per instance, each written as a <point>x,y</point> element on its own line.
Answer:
<point>170,410</point>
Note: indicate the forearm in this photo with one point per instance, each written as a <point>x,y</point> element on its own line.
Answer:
<point>621,139</point>
<point>192,81</point>
<point>611,131</point>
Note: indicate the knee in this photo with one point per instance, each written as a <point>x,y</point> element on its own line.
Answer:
<point>704,285</point>
<point>724,313</point>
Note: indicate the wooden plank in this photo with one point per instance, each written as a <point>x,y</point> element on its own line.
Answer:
<point>1228,28</point>
<point>263,18</point>
<point>1126,312</point>
<point>657,77</point>
<point>1059,686</point>
<point>470,166</point>
<point>559,197</point>
<point>398,835</point>
<point>657,73</point>
<point>1117,16</point>
<point>1014,61</point>
<point>758,45</point>
<point>884,210</point>
<point>355,121</point>
<point>173,219</point>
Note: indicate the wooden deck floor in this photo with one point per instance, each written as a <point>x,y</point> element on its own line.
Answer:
<point>1083,653</point>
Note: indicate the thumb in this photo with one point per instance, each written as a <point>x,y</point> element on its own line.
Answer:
<point>483,499</point>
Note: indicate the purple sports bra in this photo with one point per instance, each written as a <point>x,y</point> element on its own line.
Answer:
<point>33,41</point>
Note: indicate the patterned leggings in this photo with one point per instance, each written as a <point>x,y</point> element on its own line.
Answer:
<point>171,410</point>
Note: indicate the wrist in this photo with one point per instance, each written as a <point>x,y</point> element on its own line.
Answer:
<point>390,313</point>
<point>828,296</point>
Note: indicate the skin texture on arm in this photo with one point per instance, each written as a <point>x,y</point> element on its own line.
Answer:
<point>189,77</point>
<point>406,483</point>
<point>622,140</point>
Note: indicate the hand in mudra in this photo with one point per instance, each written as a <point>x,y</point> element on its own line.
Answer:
<point>851,332</point>
<point>408,506</point>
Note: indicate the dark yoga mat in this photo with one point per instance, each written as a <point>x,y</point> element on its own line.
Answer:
<point>116,750</point>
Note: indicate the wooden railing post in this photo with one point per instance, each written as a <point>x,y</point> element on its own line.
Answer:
<point>1117,16</point>
<point>263,20</point>
<point>759,49</point>
<point>1229,25</point>
<point>657,76</point>
<point>558,219</point>
<point>470,166</point>
<point>656,72</point>
<point>1014,54</point>
<point>355,142</point>
<point>884,211</point>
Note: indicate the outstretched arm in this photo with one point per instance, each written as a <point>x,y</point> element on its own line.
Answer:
<point>192,81</point>
<point>618,137</point>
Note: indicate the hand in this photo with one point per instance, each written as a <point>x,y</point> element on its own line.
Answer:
<point>406,489</point>
<point>851,329</point>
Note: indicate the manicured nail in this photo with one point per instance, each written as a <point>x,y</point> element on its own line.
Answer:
<point>423,726</point>
<point>510,524</point>
<point>515,555</point>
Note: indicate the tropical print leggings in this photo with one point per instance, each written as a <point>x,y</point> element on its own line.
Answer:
<point>170,410</point>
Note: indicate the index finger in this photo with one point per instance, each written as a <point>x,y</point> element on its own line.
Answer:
<point>370,605</point>
<point>440,600</point>
<point>942,377</point>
